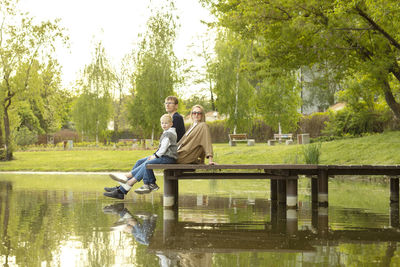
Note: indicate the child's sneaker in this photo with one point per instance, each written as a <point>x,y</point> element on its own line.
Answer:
<point>153,187</point>
<point>144,189</point>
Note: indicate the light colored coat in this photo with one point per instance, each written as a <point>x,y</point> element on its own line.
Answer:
<point>195,145</point>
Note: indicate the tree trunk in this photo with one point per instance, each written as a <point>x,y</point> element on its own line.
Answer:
<point>236,93</point>
<point>7,135</point>
<point>390,100</point>
<point>1,137</point>
<point>212,96</point>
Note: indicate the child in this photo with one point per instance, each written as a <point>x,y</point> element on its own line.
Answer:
<point>165,154</point>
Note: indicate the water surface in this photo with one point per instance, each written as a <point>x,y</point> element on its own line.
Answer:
<point>60,220</point>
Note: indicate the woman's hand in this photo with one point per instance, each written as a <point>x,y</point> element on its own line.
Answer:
<point>210,161</point>
<point>151,157</point>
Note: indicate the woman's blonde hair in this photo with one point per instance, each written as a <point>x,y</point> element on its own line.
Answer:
<point>166,118</point>
<point>203,115</point>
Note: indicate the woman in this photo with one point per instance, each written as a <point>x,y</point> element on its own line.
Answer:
<point>195,144</point>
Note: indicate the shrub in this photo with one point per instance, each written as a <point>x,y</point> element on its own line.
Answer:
<point>311,153</point>
<point>349,121</point>
<point>24,136</point>
<point>313,124</point>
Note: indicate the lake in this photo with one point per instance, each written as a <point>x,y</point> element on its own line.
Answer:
<point>64,220</point>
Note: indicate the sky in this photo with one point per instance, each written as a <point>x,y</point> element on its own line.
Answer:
<point>117,24</point>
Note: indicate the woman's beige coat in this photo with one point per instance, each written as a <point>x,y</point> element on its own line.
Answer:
<point>195,146</point>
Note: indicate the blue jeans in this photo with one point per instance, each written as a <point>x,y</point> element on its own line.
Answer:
<point>149,177</point>
<point>143,231</point>
<point>139,171</point>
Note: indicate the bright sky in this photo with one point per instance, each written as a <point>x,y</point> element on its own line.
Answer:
<point>116,23</point>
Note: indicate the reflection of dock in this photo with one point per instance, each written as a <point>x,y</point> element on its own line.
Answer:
<point>214,238</point>
<point>280,234</point>
<point>208,238</point>
<point>272,228</point>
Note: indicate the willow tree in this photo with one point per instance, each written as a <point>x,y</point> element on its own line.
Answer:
<point>155,72</point>
<point>22,44</point>
<point>93,108</point>
<point>235,94</point>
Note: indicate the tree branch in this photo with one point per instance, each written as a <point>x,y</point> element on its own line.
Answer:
<point>377,27</point>
<point>353,29</point>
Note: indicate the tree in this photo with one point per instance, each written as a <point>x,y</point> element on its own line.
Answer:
<point>123,77</point>
<point>235,94</point>
<point>278,100</point>
<point>93,108</point>
<point>22,43</point>
<point>45,98</point>
<point>155,73</point>
<point>203,74</point>
<point>357,37</point>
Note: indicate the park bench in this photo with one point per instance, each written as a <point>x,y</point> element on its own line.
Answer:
<point>284,178</point>
<point>288,137</point>
<point>233,138</point>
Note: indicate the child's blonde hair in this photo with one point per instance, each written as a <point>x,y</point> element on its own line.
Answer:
<point>166,118</point>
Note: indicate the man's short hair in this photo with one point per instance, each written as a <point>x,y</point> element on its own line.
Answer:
<point>173,98</point>
<point>166,118</point>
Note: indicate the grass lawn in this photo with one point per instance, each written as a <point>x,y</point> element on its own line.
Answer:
<point>379,149</point>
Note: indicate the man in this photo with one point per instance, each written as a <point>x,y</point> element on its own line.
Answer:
<point>171,106</point>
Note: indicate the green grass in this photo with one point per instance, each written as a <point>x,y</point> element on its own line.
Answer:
<point>379,149</point>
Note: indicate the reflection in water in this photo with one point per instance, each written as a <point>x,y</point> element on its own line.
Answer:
<point>141,225</point>
<point>69,228</point>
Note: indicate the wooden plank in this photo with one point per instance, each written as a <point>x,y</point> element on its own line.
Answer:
<point>307,169</point>
<point>224,175</point>
<point>233,166</point>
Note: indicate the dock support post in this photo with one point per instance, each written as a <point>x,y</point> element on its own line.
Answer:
<point>281,191</point>
<point>292,224</point>
<point>170,189</point>
<point>282,220</point>
<point>323,188</point>
<point>291,192</point>
<point>274,215</point>
<point>394,202</point>
<point>314,215</point>
<point>274,189</point>
<point>394,189</point>
<point>323,221</point>
<point>394,215</point>
<point>314,189</point>
<point>170,222</point>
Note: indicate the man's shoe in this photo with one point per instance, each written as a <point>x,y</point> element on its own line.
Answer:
<point>119,177</point>
<point>110,189</point>
<point>144,189</point>
<point>153,187</point>
<point>114,194</point>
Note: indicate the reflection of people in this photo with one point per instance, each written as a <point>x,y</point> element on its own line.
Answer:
<point>195,144</point>
<point>141,226</point>
<point>171,106</point>
<point>165,154</point>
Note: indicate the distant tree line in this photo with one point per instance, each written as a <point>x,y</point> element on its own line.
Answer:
<point>270,60</point>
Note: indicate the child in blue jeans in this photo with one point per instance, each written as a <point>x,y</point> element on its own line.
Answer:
<point>165,154</point>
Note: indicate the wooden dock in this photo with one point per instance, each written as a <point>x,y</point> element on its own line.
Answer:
<point>284,178</point>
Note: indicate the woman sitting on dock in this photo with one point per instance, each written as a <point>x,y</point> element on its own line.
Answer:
<point>196,144</point>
